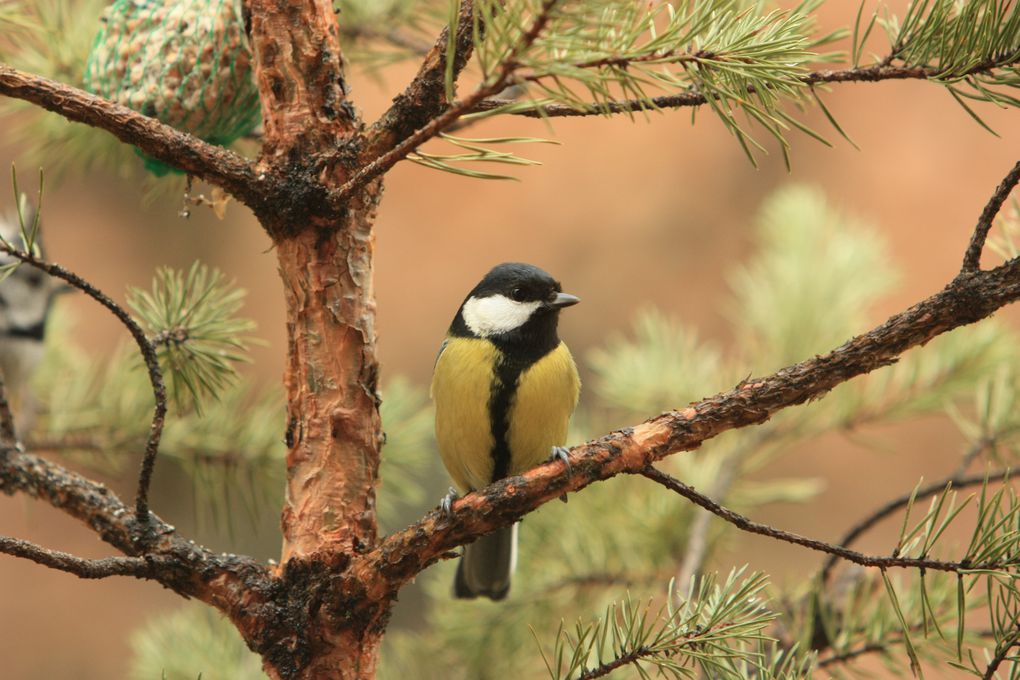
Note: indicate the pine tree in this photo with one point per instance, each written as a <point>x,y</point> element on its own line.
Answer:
<point>178,84</point>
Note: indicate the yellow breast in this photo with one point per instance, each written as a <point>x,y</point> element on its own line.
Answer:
<point>544,399</point>
<point>547,393</point>
<point>461,386</point>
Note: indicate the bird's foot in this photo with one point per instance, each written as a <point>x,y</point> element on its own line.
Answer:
<point>446,505</point>
<point>562,453</point>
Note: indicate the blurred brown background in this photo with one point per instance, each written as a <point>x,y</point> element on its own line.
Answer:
<point>625,214</point>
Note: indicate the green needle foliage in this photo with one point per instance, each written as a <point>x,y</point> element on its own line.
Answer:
<point>190,319</point>
<point>471,151</point>
<point>973,47</point>
<point>746,61</point>
<point>56,45</point>
<point>714,631</point>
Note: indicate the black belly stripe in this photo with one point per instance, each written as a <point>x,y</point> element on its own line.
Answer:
<point>509,368</point>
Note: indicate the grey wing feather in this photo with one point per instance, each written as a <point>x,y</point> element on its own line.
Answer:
<point>440,352</point>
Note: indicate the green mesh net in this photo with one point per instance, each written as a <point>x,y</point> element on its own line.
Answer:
<point>185,62</point>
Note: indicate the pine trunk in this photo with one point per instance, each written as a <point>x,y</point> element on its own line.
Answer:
<point>333,429</point>
<point>333,437</point>
<point>325,624</point>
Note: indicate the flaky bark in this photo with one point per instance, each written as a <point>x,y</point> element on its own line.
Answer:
<point>333,429</point>
<point>325,252</point>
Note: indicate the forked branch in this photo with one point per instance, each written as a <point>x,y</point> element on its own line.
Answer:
<point>145,348</point>
<point>175,562</point>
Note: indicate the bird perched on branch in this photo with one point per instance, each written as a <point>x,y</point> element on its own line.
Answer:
<point>504,390</point>
<point>26,297</point>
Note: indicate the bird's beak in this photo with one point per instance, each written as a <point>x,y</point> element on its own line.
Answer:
<point>564,300</point>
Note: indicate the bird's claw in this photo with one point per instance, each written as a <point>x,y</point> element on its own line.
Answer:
<point>561,453</point>
<point>446,505</point>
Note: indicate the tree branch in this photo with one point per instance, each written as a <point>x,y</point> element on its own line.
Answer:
<point>972,258</point>
<point>745,524</point>
<point>213,164</point>
<point>148,352</point>
<point>868,74</point>
<point>968,298</point>
<point>604,669</point>
<point>225,581</point>
<point>1000,656</point>
<point>424,98</point>
<point>140,567</point>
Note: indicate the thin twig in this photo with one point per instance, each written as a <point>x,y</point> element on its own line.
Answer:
<point>872,647</point>
<point>139,567</point>
<point>604,669</point>
<point>1007,645</point>
<point>867,74</point>
<point>750,526</point>
<point>148,353</point>
<point>855,532</point>
<point>697,542</point>
<point>852,654</point>
<point>8,433</point>
<point>158,140</point>
<point>972,258</point>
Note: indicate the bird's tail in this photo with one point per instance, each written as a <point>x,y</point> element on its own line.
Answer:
<point>486,566</point>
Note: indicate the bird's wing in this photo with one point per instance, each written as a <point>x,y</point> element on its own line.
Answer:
<point>440,352</point>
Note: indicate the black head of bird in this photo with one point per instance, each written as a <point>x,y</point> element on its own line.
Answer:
<point>516,306</point>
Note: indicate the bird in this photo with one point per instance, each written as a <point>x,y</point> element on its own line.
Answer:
<point>26,298</point>
<point>504,388</point>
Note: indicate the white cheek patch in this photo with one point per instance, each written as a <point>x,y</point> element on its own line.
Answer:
<point>496,314</point>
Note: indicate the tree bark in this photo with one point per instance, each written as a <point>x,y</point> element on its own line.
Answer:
<point>325,253</point>
<point>333,426</point>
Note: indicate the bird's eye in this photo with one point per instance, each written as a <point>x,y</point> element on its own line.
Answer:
<point>518,295</point>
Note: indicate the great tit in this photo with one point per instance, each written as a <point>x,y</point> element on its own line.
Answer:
<point>26,298</point>
<point>504,389</point>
